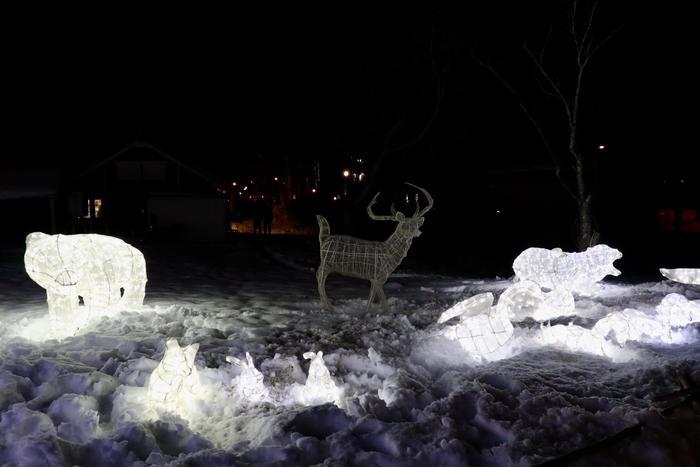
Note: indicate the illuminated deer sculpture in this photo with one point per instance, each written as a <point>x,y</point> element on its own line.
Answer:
<point>365,259</point>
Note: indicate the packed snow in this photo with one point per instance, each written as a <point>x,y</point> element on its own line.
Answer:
<point>278,380</point>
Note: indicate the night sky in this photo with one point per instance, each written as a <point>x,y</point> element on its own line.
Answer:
<point>223,84</point>
<point>226,88</point>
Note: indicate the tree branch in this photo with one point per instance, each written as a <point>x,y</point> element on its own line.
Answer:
<point>551,82</point>
<point>533,121</point>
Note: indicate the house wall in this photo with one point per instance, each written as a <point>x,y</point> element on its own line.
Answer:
<point>187,217</point>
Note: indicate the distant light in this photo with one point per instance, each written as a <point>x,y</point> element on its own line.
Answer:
<point>335,198</point>
<point>240,193</point>
<point>245,188</point>
<point>276,178</point>
<point>234,184</point>
<point>346,173</point>
<point>498,211</point>
<point>602,147</point>
<point>313,190</point>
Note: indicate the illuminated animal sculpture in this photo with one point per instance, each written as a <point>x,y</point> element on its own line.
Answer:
<point>320,387</point>
<point>482,328</point>
<point>683,275</point>
<point>175,379</point>
<point>105,272</point>
<point>575,272</point>
<point>249,384</point>
<point>365,259</point>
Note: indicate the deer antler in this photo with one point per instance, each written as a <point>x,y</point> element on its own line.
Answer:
<point>421,213</point>
<point>372,215</point>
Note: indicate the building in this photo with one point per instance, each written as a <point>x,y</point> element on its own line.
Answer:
<point>142,191</point>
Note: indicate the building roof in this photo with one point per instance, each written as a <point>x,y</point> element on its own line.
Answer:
<point>138,144</point>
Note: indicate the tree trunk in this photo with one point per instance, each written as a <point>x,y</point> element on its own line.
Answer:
<point>586,236</point>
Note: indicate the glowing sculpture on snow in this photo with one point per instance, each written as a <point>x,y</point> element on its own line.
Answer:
<point>574,338</point>
<point>632,325</point>
<point>482,328</point>
<point>104,271</point>
<point>249,384</point>
<point>526,299</point>
<point>575,272</point>
<point>320,387</point>
<point>365,259</point>
<point>676,310</point>
<point>682,275</point>
<point>175,380</point>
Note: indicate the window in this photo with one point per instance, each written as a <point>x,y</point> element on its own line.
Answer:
<point>97,204</point>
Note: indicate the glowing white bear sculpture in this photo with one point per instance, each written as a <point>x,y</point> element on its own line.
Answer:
<point>632,325</point>
<point>320,387</point>
<point>682,275</point>
<point>175,380</point>
<point>482,328</point>
<point>105,272</point>
<point>249,384</point>
<point>526,299</point>
<point>576,272</point>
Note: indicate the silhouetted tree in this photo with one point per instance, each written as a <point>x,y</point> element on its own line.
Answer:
<point>559,75</point>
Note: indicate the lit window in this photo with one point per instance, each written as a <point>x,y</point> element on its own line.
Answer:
<point>98,208</point>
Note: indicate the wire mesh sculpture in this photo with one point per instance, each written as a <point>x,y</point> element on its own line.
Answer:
<point>482,328</point>
<point>525,299</point>
<point>575,272</point>
<point>320,387</point>
<point>575,338</point>
<point>632,325</point>
<point>175,379</point>
<point>676,310</point>
<point>249,384</point>
<point>683,275</point>
<point>101,271</point>
<point>366,259</point>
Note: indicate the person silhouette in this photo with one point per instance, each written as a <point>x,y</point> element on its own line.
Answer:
<point>257,216</point>
<point>267,216</point>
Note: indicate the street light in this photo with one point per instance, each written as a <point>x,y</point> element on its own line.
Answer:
<point>346,173</point>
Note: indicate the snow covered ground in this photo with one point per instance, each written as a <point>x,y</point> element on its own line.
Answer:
<point>407,395</point>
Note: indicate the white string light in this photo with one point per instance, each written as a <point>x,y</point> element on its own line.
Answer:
<point>175,380</point>
<point>83,274</point>
<point>682,275</point>
<point>249,384</point>
<point>482,328</point>
<point>575,272</point>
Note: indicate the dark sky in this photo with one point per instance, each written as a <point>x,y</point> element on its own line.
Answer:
<point>219,85</point>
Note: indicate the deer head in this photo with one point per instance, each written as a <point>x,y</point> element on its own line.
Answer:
<point>408,225</point>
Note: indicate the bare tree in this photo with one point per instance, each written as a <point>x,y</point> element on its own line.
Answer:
<point>564,91</point>
<point>398,129</point>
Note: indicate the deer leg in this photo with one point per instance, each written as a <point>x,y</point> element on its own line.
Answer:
<point>321,276</point>
<point>372,294</point>
<point>381,296</point>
